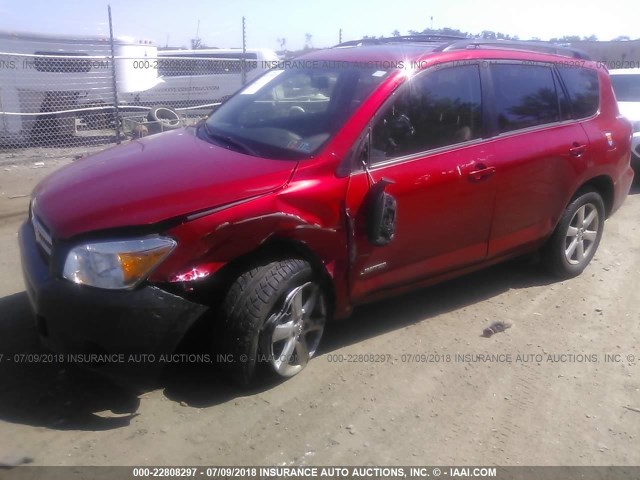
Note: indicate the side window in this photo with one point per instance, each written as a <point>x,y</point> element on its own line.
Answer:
<point>525,96</point>
<point>433,110</point>
<point>584,90</point>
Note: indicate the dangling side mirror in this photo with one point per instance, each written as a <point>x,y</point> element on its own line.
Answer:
<point>381,214</point>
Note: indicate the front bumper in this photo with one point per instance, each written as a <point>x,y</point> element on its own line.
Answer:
<point>141,324</point>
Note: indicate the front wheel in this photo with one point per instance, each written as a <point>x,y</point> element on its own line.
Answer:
<point>274,318</point>
<point>577,236</point>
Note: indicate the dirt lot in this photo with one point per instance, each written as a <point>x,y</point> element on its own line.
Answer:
<point>576,410</point>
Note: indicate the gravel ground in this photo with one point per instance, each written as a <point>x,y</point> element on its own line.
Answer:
<point>550,398</point>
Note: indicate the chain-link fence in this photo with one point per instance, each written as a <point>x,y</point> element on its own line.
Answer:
<point>51,88</point>
<point>73,91</point>
<point>189,84</point>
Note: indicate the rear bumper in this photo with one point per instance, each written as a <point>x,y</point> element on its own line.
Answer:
<point>140,324</point>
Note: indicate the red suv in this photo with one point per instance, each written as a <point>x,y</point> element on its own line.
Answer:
<point>341,177</point>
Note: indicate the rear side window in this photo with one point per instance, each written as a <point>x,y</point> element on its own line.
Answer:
<point>525,96</point>
<point>584,90</point>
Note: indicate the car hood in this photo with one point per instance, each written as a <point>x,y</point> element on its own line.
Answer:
<point>631,110</point>
<point>150,180</point>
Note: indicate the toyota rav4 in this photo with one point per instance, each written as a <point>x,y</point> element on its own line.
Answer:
<point>341,177</point>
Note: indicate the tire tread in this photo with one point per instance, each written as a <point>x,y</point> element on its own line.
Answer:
<point>246,307</point>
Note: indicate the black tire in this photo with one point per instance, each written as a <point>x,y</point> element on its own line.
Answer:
<point>558,255</point>
<point>162,118</point>
<point>253,308</point>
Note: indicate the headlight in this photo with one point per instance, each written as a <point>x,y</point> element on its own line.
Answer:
<point>116,265</point>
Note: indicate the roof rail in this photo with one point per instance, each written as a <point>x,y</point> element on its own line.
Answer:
<point>421,38</point>
<point>544,47</point>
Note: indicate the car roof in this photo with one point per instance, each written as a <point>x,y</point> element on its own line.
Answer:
<point>355,53</point>
<point>415,48</point>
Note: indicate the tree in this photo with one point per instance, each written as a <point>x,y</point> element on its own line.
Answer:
<point>395,33</point>
<point>196,43</point>
<point>451,31</point>
<point>307,41</point>
<point>622,38</point>
<point>283,43</point>
<point>566,39</point>
<point>488,35</point>
<point>440,31</point>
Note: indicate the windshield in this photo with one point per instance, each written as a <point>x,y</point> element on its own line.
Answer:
<point>291,113</point>
<point>627,87</point>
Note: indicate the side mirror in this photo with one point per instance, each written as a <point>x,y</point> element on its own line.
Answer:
<point>381,214</point>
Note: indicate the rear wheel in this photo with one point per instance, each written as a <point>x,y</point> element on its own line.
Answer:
<point>577,236</point>
<point>275,316</point>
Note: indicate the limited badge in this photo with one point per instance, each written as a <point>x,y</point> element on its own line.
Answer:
<point>609,138</point>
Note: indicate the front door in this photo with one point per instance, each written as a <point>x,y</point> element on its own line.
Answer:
<point>427,140</point>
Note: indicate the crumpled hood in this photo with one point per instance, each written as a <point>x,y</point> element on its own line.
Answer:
<point>150,180</point>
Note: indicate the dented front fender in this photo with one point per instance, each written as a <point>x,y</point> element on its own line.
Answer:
<point>310,213</point>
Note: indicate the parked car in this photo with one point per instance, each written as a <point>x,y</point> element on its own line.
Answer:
<point>626,85</point>
<point>351,175</point>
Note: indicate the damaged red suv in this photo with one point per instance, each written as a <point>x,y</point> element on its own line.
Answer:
<point>341,177</point>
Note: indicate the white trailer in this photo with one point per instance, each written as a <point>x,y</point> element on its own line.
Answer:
<point>60,76</point>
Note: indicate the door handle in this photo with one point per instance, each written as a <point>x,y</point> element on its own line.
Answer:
<point>577,150</point>
<point>482,172</point>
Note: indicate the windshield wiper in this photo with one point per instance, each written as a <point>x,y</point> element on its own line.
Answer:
<point>230,141</point>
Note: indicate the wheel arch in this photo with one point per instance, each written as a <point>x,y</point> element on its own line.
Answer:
<point>273,249</point>
<point>603,184</point>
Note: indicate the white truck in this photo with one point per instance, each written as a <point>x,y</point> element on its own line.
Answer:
<point>200,78</point>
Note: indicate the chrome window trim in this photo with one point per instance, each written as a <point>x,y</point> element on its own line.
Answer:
<point>426,153</point>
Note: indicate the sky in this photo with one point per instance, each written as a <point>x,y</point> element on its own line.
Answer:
<point>218,23</point>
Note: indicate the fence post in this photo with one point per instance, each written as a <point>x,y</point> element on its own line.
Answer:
<point>113,77</point>
<point>244,53</point>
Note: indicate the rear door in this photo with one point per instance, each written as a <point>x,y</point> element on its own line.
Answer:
<point>428,141</point>
<point>537,150</point>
